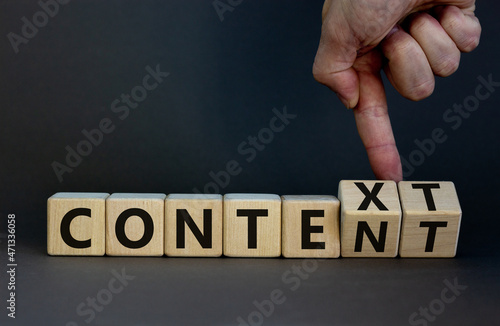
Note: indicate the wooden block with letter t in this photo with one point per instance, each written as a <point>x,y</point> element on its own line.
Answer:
<point>135,224</point>
<point>75,224</point>
<point>370,218</point>
<point>193,225</point>
<point>252,225</point>
<point>431,219</point>
<point>310,226</point>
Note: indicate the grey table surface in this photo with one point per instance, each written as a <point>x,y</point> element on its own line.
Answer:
<point>219,291</point>
<point>225,77</point>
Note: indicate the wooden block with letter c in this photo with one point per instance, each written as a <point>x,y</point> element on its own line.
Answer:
<point>75,224</point>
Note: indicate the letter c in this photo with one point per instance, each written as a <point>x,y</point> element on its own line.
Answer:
<point>445,298</point>
<point>65,228</point>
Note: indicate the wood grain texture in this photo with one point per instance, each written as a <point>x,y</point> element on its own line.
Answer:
<point>152,209</point>
<point>362,216</point>
<point>241,239</point>
<point>430,226</point>
<point>81,227</point>
<point>199,207</point>
<point>310,226</point>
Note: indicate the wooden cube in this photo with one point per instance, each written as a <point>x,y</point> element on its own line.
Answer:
<point>370,218</point>
<point>252,225</point>
<point>431,219</point>
<point>193,225</point>
<point>75,224</point>
<point>135,224</point>
<point>310,226</point>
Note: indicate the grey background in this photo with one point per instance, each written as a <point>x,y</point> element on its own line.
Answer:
<point>225,78</point>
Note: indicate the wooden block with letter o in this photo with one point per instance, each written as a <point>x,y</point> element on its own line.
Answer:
<point>252,225</point>
<point>431,219</point>
<point>370,218</point>
<point>75,224</point>
<point>135,224</point>
<point>310,226</point>
<point>193,225</point>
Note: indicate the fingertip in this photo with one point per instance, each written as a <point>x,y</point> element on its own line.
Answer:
<point>349,103</point>
<point>462,26</point>
<point>387,166</point>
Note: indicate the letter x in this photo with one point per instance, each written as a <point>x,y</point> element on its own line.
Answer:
<point>371,196</point>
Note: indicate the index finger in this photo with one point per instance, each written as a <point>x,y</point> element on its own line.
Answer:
<point>372,120</point>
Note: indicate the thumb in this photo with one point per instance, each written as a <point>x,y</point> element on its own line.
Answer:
<point>344,83</point>
<point>333,64</point>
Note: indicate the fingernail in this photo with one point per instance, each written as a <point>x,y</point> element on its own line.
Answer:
<point>393,30</point>
<point>344,101</point>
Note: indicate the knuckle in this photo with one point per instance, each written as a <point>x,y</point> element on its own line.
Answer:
<point>469,42</point>
<point>447,65</point>
<point>419,22</point>
<point>452,23</point>
<point>377,111</point>
<point>402,47</point>
<point>422,90</point>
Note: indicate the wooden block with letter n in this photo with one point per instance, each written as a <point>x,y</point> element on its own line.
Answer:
<point>75,224</point>
<point>193,225</point>
<point>431,219</point>
<point>135,224</point>
<point>370,218</point>
<point>252,225</point>
<point>310,226</point>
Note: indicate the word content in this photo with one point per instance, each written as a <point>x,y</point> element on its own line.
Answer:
<point>369,219</point>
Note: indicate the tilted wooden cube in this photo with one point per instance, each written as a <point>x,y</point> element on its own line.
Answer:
<point>193,225</point>
<point>75,224</point>
<point>370,218</point>
<point>310,226</point>
<point>431,219</point>
<point>252,225</point>
<point>135,224</point>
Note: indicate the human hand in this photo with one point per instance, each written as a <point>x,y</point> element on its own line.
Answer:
<point>358,34</point>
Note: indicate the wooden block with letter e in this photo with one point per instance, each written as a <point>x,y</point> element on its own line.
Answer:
<point>193,225</point>
<point>310,226</point>
<point>431,219</point>
<point>135,224</point>
<point>252,225</point>
<point>75,224</point>
<point>370,218</point>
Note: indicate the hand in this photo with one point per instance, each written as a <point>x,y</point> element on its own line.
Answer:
<point>418,38</point>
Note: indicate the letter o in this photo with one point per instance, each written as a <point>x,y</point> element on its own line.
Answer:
<point>82,145</point>
<point>142,93</point>
<point>439,310</point>
<point>269,138</point>
<point>251,318</point>
<point>467,103</point>
<point>417,158</point>
<point>37,22</point>
<point>148,228</point>
<point>101,294</point>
